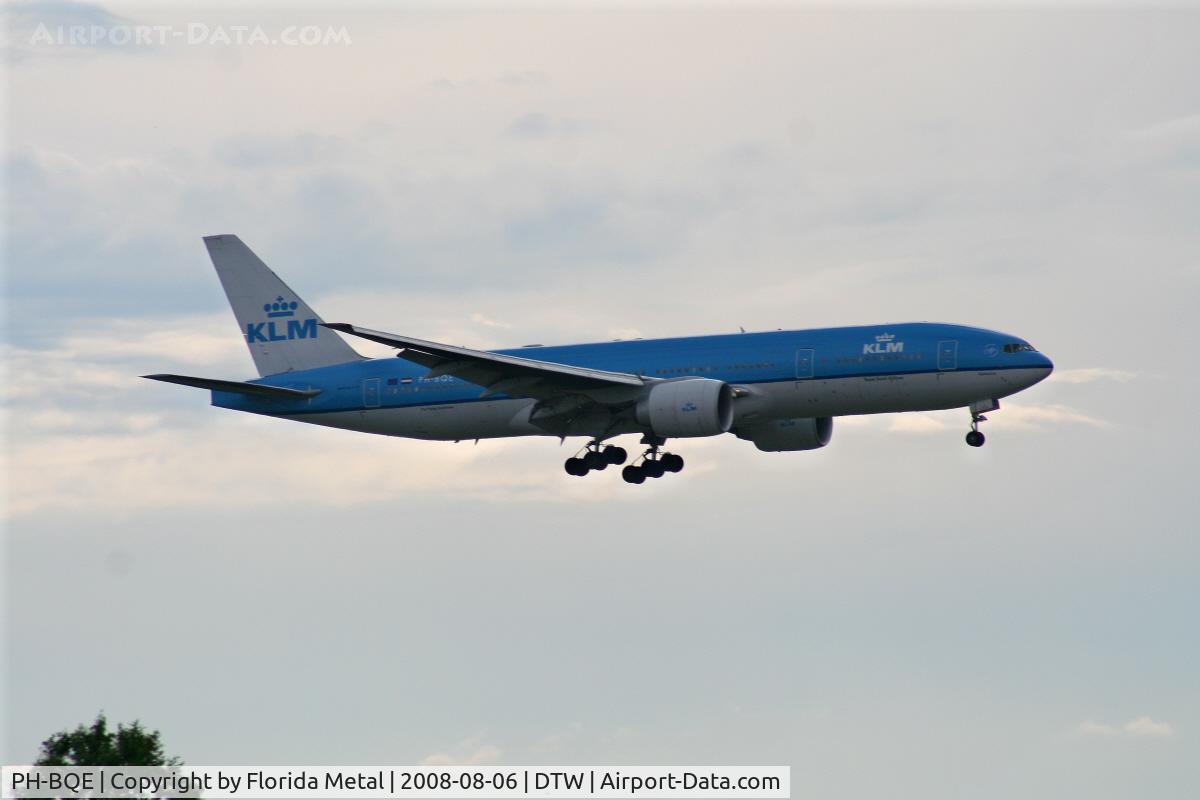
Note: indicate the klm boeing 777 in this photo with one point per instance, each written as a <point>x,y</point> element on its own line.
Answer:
<point>778,390</point>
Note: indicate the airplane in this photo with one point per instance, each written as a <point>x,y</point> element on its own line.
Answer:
<point>779,390</point>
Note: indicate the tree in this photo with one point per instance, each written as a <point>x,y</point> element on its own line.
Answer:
<point>97,746</point>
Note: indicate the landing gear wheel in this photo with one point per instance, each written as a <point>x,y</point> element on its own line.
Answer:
<point>615,455</point>
<point>576,466</point>
<point>633,474</point>
<point>653,468</point>
<point>672,462</point>
<point>975,438</point>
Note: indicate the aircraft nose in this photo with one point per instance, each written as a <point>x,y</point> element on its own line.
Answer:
<point>1044,367</point>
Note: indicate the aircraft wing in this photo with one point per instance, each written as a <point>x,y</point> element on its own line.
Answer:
<point>498,373</point>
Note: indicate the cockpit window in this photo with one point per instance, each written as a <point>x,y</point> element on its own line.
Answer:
<point>1019,347</point>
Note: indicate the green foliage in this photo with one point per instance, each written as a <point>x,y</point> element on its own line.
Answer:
<point>97,746</point>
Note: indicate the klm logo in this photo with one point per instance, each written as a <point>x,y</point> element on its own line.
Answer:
<point>687,407</point>
<point>884,343</point>
<point>280,327</point>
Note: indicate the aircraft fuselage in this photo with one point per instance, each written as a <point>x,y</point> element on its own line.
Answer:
<point>825,372</point>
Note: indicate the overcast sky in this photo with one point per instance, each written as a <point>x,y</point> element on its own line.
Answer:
<point>895,615</point>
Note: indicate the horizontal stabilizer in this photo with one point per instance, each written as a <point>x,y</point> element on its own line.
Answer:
<point>238,387</point>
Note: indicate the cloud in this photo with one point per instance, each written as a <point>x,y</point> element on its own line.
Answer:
<point>448,84</point>
<point>523,77</point>
<point>54,28</point>
<point>59,12</point>
<point>536,125</point>
<point>1090,728</point>
<point>469,752</point>
<point>1092,374</point>
<point>81,368</point>
<point>625,333</point>
<point>1144,727</point>
<point>197,457</point>
<point>916,423</point>
<point>554,742</point>
<point>1040,417</point>
<point>94,435</point>
<point>1186,128</point>
<point>255,151</point>
<point>533,125</point>
<point>490,323</point>
<point>1011,416</point>
<point>204,457</point>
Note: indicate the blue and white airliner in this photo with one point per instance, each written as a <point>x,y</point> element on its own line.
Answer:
<point>778,390</point>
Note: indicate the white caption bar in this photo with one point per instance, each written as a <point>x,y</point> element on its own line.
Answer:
<point>411,783</point>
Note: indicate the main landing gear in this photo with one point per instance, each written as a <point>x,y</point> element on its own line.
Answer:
<point>595,458</point>
<point>654,464</point>
<point>651,464</point>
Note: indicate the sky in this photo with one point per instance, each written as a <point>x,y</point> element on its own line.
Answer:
<point>895,614</point>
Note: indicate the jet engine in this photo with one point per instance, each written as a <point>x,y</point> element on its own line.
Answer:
<point>687,407</point>
<point>779,435</point>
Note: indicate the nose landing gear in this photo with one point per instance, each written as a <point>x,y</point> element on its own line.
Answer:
<point>976,438</point>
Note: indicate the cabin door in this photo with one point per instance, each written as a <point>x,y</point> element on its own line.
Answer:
<point>948,354</point>
<point>371,393</point>
<point>804,363</point>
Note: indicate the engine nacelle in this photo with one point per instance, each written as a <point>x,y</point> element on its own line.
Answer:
<point>779,435</point>
<point>687,407</point>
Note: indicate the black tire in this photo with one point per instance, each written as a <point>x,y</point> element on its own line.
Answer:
<point>653,469</point>
<point>976,438</point>
<point>633,474</point>
<point>615,455</point>
<point>576,466</point>
<point>595,460</point>
<point>672,462</point>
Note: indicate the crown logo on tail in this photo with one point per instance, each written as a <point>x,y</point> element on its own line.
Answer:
<point>885,337</point>
<point>280,308</point>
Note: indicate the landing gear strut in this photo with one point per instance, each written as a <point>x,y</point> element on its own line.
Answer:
<point>978,409</point>
<point>654,464</point>
<point>976,438</point>
<point>595,457</point>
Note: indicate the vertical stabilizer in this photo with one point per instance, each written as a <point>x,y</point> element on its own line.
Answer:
<point>282,332</point>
